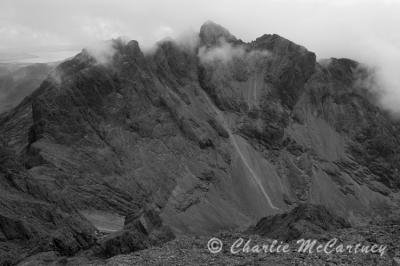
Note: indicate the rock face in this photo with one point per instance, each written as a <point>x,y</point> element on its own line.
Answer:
<point>212,137</point>
<point>31,221</point>
<point>304,221</point>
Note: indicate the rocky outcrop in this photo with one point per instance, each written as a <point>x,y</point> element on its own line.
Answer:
<point>212,34</point>
<point>142,231</point>
<point>304,221</point>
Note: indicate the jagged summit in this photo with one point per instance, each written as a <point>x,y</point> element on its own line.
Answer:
<point>212,33</point>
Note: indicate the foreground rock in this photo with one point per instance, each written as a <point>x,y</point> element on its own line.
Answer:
<point>193,251</point>
<point>30,222</point>
<point>304,221</point>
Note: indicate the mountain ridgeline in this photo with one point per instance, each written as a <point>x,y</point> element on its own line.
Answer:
<point>190,140</point>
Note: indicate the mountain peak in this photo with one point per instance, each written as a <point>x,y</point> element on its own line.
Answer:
<point>212,33</point>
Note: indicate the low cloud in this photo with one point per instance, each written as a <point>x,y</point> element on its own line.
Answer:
<point>187,40</point>
<point>387,74</point>
<point>225,52</point>
<point>382,60</point>
<point>102,52</point>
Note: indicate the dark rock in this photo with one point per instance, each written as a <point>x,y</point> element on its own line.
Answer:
<point>304,221</point>
<point>289,69</point>
<point>212,34</point>
<point>140,232</point>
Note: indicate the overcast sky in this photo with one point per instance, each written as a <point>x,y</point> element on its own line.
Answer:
<point>365,30</point>
<point>330,28</point>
